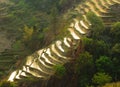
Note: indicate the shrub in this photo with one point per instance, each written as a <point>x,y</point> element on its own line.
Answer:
<point>115,32</point>
<point>101,79</point>
<point>97,25</point>
<point>60,70</point>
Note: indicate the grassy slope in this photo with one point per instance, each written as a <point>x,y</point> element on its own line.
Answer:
<point>13,17</point>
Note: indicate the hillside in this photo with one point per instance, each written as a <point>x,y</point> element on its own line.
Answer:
<point>66,43</point>
<point>19,21</point>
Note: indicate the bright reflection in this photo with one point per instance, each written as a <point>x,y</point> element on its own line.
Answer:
<point>29,60</point>
<point>58,44</point>
<point>36,66</point>
<point>46,59</point>
<point>86,20</point>
<point>69,39</point>
<point>28,70</point>
<point>48,51</point>
<point>33,63</point>
<point>72,25</point>
<point>24,68</point>
<point>72,42</point>
<point>43,63</point>
<point>17,76</point>
<point>66,43</point>
<point>92,8</point>
<point>33,73</point>
<point>98,6</point>
<point>72,32</point>
<point>77,27</point>
<point>103,3</point>
<point>55,51</point>
<point>12,76</point>
<point>83,24</point>
<point>40,52</point>
<point>23,74</point>
<point>52,57</point>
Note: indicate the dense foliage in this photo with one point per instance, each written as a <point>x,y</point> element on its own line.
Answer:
<point>99,60</point>
<point>36,24</point>
<point>60,70</point>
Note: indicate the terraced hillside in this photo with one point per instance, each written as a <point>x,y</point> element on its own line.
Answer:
<point>40,64</point>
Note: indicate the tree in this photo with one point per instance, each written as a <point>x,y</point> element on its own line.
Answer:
<point>104,64</point>
<point>84,68</point>
<point>101,78</point>
<point>87,43</point>
<point>115,32</point>
<point>116,48</point>
<point>60,70</point>
<point>83,61</point>
<point>27,33</point>
<point>95,47</point>
<point>97,25</point>
<point>116,61</point>
<point>116,69</point>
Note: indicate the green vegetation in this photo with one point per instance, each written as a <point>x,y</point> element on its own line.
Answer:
<point>97,25</point>
<point>35,23</point>
<point>98,63</point>
<point>115,31</point>
<point>83,68</point>
<point>7,84</point>
<point>101,79</point>
<point>60,70</point>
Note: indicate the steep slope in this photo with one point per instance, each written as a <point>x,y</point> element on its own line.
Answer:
<point>14,16</point>
<point>41,63</point>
